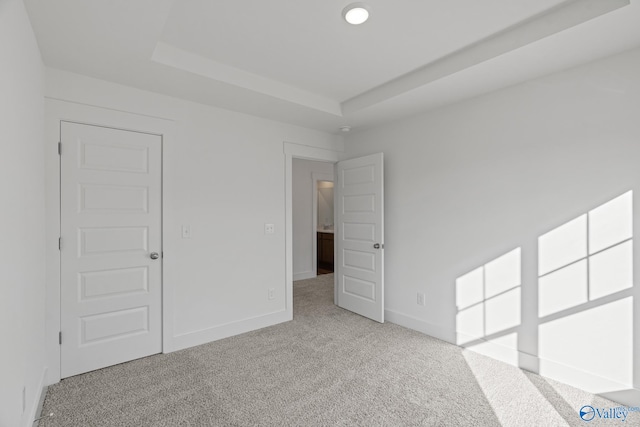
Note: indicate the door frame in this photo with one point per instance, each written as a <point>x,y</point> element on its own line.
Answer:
<point>315,177</point>
<point>304,152</point>
<point>57,111</point>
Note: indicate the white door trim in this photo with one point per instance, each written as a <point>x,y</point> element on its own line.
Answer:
<point>55,112</point>
<point>315,177</point>
<point>305,152</point>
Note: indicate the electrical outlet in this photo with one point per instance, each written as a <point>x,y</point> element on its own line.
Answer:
<point>420,298</point>
<point>272,293</point>
<point>269,229</point>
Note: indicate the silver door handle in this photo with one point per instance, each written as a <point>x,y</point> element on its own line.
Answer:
<point>376,246</point>
<point>154,255</point>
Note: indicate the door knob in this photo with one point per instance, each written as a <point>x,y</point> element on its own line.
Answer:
<point>154,255</point>
<point>376,246</point>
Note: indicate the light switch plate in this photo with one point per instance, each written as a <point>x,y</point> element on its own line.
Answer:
<point>186,231</point>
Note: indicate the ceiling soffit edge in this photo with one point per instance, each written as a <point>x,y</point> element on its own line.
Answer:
<point>555,20</point>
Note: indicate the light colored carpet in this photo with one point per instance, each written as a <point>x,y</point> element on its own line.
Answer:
<point>328,367</point>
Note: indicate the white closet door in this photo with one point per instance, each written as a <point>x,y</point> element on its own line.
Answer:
<point>111,262</point>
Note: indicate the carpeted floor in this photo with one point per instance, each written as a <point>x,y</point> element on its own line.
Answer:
<point>328,367</point>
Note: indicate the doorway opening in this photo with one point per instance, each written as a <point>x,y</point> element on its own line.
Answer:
<point>296,153</point>
<point>324,226</point>
<point>358,283</point>
<point>312,215</point>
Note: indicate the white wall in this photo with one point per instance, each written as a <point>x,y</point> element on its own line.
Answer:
<point>468,183</point>
<point>303,227</point>
<point>224,176</point>
<point>22,217</point>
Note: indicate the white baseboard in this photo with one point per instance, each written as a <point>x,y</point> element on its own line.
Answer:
<point>416,324</point>
<point>304,275</point>
<point>204,336</point>
<point>38,401</point>
<point>621,393</point>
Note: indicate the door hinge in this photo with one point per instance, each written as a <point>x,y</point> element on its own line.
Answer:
<point>59,148</point>
<point>60,337</point>
<point>59,243</point>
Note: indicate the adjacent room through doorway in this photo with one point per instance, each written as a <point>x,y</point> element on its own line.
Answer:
<point>313,223</point>
<point>324,225</point>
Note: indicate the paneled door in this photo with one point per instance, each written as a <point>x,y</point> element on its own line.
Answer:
<point>360,236</point>
<point>111,264</point>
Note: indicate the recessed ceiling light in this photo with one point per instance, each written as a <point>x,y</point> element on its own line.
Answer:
<point>356,13</point>
<point>345,128</point>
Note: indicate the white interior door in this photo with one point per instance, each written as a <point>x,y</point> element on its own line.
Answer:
<point>360,236</point>
<point>110,235</point>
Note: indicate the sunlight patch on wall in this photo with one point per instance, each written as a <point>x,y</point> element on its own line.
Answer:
<point>587,258</point>
<point>563,289</point>
<point>611,271</point>
<point>562,246</point>
<point>488,298</point>
<point>585,317</point>
<point>584,327</point>
<point>598,341</point>
<point>611,223</point>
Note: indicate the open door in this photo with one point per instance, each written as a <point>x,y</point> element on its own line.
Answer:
<point>360,236</point>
